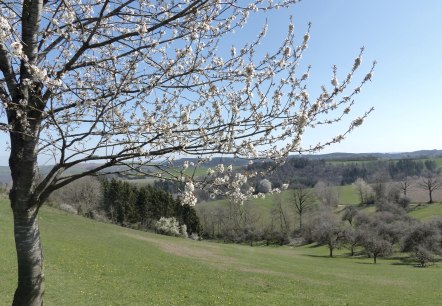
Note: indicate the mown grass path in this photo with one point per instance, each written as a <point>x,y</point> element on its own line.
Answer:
<point>90,263</point>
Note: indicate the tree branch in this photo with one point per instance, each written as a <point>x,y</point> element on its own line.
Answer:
<point>8,72</point>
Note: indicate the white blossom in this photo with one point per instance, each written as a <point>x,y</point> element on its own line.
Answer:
<point>250,71</point>
<point>219,168</point>
<point>186,164</point>
<point>368,76</point>
<point>306,37</point>
<point>17,49</point>
<point>5,28</point>
<point>287,51</point>
<point>233,51</point>
<point>357,63</point>
<point>358,121</point>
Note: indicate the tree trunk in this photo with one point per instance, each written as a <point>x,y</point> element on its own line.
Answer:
<point>330,251</point>
<point>374,258</point>
<point>25,204</point>
<point>30,287</point>
<point>300,221</point>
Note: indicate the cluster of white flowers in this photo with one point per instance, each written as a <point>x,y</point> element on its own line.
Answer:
<point>368,76</point>
<point>168,226</point>
<point>5,29</point>
<point>17,49</point>
<point>188,196</point>
<point>357,63</point>
<point>219,168</point>
<point>186,164</point>
<point>250,71</point>
<point>357,122</point>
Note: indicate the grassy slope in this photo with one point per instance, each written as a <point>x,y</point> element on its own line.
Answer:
<point>347,196</point>
<point>89,263</point>
<point>427,211</point>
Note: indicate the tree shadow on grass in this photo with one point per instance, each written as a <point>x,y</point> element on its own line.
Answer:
<point>397,261</point>
<point>319,256</point>
<point>403,261</point>
<point>315,245</point>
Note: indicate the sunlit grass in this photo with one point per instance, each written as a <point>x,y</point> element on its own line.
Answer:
<point>427,211</point>
<point>90,263</point>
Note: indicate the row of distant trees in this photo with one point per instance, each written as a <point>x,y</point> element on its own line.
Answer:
<point>125,204</point>
<point>398,191</point>
<point>306,216</point>
<point>377,234</point>
<point>301,219</point>
<point>309,172</point>
<point>248,222</point>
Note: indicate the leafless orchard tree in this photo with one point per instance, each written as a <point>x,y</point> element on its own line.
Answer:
<point>139,82</point>
<point>303,200</point>
<point>84,195</point>
<point>279,214</point>
<point>405,184</point>
<point>430,183</point>
<point>364,191</point>
<point>328,195</point>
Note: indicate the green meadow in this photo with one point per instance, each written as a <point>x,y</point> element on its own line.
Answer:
<point>91,263</point>
<point>427,211</point>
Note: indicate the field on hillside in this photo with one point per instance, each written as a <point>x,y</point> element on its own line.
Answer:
<point>90,263</point>
<point>427,211</point>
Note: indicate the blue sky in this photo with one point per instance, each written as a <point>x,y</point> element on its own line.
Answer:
<point>405,37</point>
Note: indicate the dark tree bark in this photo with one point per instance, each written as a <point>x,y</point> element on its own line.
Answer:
<point>430,183</point>
<point>25,206</point>
<point>303,199</point>
<point>30,287</point>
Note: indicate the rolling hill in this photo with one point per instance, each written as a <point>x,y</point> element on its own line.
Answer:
<point>91,263</point>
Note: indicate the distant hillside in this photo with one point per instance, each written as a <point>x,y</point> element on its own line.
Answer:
<point>339,156</point>
<point>377,156</point>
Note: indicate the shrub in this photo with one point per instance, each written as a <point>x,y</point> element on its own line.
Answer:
<point>168,226</point>
<point>424,242</point>
<point>183,231</point>
<point>423,256</point>
<point>404,202</point>
<point>264,186</point>
<point>195,236</point>
<point>67,208</point>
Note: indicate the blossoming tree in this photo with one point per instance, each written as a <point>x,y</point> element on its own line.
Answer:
<point>137,83</point>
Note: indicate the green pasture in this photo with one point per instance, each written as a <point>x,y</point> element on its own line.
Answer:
<point>427,211</point>
<point>347,195</point>
<point>91,263</point>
